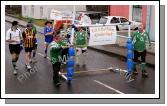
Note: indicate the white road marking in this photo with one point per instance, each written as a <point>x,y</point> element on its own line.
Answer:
<point>41,54</point>
<point>78,72</point>
<point>109,87</point>
<point>62,75</point>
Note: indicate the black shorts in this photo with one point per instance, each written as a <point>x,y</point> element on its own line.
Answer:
<point>139,54</point>
<point>14,48</point>
<point>28,49</point>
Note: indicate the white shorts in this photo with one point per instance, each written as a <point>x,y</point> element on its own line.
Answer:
<point>80,51</point>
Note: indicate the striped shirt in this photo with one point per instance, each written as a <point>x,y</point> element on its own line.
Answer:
<point>28,38</point>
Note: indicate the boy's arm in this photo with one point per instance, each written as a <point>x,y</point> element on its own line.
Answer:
<point>148,39</point>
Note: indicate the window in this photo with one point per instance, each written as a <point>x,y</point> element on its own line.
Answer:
<point>114,20</point>
<point>24,9</point>
<point>123,20</point>
<point>32,10</point>
<point>103,20</point>
<point>137,13</point>
<point>41,12</point>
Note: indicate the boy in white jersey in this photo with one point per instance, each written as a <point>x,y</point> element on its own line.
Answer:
<point>13,37</point>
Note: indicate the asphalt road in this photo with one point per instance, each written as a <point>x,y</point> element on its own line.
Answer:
<point>94,78</point>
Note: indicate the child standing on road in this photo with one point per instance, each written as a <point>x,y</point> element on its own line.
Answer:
<point>56,49</point>
<point>140,38</point>
<point>80,42</point>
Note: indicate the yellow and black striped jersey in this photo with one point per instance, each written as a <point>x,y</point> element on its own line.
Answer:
<point>28,38</point>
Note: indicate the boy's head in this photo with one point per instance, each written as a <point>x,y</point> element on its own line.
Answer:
<point>140,28</point>
<point>15,24</point>
<point>58,36</point>
<point>48,23</point>
<point>29,26</point>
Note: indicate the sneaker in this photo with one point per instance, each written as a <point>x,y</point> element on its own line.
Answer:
<point>135,72</point>
<point>14,72</point>
<point>144,73</point>
<point>57,84</point>
<point>33,60</point>
<point>28,67</point>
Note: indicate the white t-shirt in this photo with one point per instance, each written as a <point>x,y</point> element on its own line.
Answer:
<point>13,35</point>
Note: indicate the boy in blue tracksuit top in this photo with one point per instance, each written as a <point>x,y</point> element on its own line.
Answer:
<point>48,33</point>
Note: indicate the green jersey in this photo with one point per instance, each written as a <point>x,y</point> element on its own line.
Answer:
<point>80,39</point>
<point>67,34</point>
<point>140,40</point>
<point>55,53</point>
<point>34,29</point>
<point>63,43</point>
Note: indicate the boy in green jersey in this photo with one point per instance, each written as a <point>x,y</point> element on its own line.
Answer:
<point>56,48</point>
<point>140,38</point>
<point>80,42</point>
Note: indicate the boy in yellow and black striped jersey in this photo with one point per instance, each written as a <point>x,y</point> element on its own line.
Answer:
<point>28,41</point>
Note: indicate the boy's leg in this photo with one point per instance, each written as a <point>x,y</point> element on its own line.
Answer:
<point>34,53</point>
<point>14,60</point>
<point>56,69</point>
<point>143,63</point>
<point>78,52</point>
<point>84,50</point>
<point>136,55</point>
<point>27,57</point>
<point>46,49</point>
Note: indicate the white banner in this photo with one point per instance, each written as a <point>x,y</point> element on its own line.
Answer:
<point>60,15</point>
<point>102,35</point>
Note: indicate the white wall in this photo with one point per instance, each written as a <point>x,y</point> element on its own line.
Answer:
<point>47,9</point>
<point>152,24</point>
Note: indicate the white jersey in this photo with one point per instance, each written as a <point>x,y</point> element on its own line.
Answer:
<point>13,35</point>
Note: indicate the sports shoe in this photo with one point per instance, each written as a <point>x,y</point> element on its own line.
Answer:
<point>14,72</point>
<point>33,60</point>
<point>144,73</point>
<point>58,84</point>
<point>28,67</point>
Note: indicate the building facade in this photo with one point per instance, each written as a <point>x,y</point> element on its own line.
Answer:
<point>43,11</point>
<point>140,13</point>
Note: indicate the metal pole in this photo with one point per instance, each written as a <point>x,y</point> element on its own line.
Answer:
<point>72,33</point>
<point>129,31</point>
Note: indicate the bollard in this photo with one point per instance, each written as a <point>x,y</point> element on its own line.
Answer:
<point>71,51</point>
<point>70,64</point>
<point>129,55</point>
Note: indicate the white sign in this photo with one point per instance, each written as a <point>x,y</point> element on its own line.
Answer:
<point>61,15</point>
<point>102,35</point>
<point>85,20</point>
